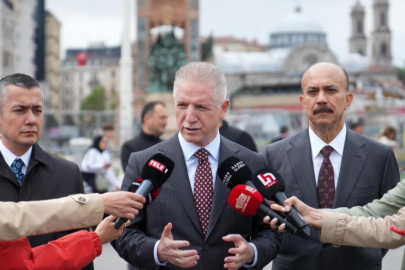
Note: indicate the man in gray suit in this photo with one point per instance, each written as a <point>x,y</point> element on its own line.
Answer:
<point>329,166</point>
<point>191,224</point>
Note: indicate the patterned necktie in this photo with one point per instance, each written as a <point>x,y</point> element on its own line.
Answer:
<point>326,180</point>
<point>203,188</point>
<point>16,166</point>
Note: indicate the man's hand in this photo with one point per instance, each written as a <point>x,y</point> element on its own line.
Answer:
<point>310,215</point>
<point>168,250</point>
<point>123,204</point>
<point>244,252</point>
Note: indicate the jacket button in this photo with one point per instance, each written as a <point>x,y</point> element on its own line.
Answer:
<point>206,247</point>
<point>82,199</point>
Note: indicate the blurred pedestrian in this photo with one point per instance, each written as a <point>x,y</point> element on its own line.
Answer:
<point>154,120</point>
<point>388,137</point>
<point>357,127</point>
<point>283,134</point>
<point>236,135</point>
<point>95,165</point>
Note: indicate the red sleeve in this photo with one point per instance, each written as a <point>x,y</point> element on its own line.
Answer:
<point>73,251</point>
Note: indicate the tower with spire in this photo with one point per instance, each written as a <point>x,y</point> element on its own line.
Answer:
<point>358,40</point>
<point>381,36</point>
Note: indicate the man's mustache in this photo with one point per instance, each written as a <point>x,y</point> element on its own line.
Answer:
<point>322,109</point>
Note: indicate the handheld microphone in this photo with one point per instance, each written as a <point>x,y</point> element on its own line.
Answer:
<point>151,195</point>
<point>154,173</point>
<point>233,172</point>
<point>248,201</point>
<point>271,185</point>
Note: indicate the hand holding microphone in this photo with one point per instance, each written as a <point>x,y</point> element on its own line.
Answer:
<point>154,174</point>
<point>249,202</point>
<point>271,185</point>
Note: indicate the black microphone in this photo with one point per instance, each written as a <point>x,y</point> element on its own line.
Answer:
<point>154,174</point>
<point>248,201</point>
<point>233,172</point>
<point>271,185</point>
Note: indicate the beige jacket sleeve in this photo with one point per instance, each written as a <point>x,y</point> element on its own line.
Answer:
<point>340,229</point>
<point>40,217</point>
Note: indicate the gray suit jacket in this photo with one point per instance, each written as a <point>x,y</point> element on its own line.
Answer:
<point>368,170</point>
<point>176,204</point>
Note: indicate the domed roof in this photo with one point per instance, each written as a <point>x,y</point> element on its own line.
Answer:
<point>298,23</point>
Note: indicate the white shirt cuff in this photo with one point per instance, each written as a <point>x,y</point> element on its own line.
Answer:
<point>155,255</point>
<point>255,260</point>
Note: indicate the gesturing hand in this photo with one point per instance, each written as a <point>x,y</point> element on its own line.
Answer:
<point>168,250</point>
<point>244,252</point>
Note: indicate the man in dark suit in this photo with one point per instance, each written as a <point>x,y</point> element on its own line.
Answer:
<point>154,120</point>
<point>27,172</point>
<point>236,135</point>
<point>329,166</point>
<point>191,217</point>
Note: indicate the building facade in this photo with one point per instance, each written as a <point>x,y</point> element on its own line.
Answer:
<point>52,60</point>
<point>80,77</point>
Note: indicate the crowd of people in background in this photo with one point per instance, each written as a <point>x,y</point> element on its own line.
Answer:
<point>327,157</point>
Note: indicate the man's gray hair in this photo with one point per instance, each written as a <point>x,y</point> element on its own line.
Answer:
<point>17,79</point>
<point>205,73</point>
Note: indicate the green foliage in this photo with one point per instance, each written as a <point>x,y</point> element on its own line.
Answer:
<point>95,101</point>
<point>401,73</point>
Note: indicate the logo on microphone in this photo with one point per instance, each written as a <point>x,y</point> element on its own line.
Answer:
<point>268,179</point>
<point>157,165</point>
<point>242,201</point>
<point>236,167</point>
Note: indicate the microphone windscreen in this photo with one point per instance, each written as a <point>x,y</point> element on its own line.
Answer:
<point>245,199</point>
<point>268,182</point>
<point>158,169</point>
<point>233,172</point>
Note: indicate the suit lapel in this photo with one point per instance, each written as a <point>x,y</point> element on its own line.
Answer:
<point>6,172</point>
<point>180,183</point>
<point>352,163</point>
<point>300,158</point>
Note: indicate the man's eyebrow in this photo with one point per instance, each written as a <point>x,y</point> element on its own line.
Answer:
<point>22,106</point>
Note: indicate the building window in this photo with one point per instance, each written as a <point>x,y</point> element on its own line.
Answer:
<point>359,27</point>
<point>384,49</point>
<point>383,19</point>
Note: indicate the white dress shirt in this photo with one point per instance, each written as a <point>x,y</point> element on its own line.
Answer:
<point>335,157</point>
<point>9,157</point>
<point>191,162</point>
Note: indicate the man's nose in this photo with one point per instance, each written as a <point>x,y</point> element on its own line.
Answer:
<point>321,97</point>
<point>31,119</point>
<point>191,115</point>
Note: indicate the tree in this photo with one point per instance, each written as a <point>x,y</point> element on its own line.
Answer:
<point>95,101</point>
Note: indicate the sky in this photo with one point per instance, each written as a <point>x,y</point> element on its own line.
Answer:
<point>89,21</point>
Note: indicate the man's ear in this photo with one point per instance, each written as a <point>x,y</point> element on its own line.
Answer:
<point>224,108</point>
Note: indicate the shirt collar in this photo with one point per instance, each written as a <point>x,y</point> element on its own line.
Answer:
<point>9,157</point>
<point>190,148</point>
<point>317,143</point>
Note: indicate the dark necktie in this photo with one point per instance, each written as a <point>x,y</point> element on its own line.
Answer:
<point>326,180</point>
<point>16,166</point>
<point>203,188</point>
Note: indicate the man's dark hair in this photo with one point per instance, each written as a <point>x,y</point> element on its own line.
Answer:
<point>283,129</point>
<point>355,125</point>
<point>107,126</point>
<point>149,108</point>
<point>17,79</point>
